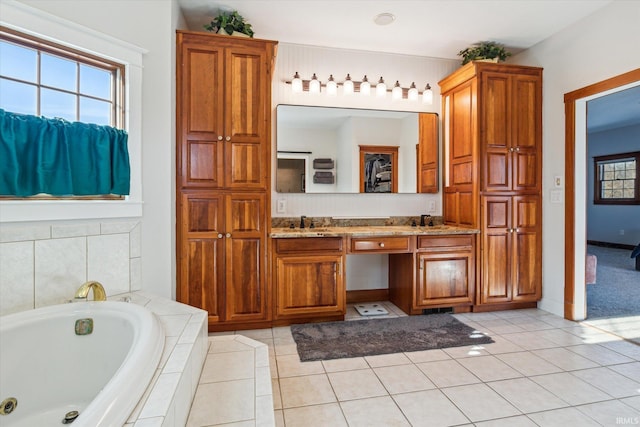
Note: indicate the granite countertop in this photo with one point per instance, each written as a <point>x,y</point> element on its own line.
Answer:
<point>367,231</point>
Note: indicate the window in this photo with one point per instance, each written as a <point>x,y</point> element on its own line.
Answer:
<point>44,79</point>
<point>49,81</point>
<point>18,18</point>
<point>616,179</point>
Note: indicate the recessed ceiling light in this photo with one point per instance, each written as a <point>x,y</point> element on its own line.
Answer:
<point>384,18</point>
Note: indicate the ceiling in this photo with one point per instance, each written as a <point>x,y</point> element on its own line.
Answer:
<point>431,28</point>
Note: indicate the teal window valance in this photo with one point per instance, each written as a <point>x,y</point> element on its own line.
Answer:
<point>61,158</point>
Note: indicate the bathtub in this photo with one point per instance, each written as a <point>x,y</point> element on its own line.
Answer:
<point>52,367</point>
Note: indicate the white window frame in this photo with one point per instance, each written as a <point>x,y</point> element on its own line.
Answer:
<point>37,23</point>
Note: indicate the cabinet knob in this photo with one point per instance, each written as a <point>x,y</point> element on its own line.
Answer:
<point>511,149</point>
<point>381,245</point>
<point>219,137</point>
<point>228,138</point>
<point>517,148</point>
<point>228,235</point>
<point>220,236</point>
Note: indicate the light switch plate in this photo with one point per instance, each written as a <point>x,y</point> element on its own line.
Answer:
<point>557,181</point>
<point>556,196</point>
<point>281,206</point>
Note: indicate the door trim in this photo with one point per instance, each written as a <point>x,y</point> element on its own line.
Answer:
<point>570,99</point>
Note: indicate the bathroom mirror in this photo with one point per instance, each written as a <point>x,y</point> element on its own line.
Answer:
<point>319,148</point>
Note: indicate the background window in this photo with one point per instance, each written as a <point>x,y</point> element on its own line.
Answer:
<point>616,179</point>
<point>43,79</point>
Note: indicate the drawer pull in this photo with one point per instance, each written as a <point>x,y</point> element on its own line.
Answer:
<point>381,245</point>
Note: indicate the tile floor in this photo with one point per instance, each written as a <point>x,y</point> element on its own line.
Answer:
<point>542,370</point>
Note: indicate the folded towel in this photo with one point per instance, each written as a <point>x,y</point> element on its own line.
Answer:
<point>323,163</point>
<point>323,178</point>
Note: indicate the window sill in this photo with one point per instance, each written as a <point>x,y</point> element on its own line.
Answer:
<point>49,210</point>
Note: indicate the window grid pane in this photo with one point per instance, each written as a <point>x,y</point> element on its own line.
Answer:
<point>37,80</point>
<point>617,179</point>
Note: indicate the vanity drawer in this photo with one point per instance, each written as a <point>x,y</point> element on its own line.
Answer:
<point>445,242</point>
<point>395,244</point>
<point>308,244</point>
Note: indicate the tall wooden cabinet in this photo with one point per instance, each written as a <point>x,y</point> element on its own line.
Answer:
<point>223,103</point>
<point>492,124</point>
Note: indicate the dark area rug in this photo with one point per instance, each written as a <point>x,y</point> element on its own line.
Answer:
<point>337,340</point>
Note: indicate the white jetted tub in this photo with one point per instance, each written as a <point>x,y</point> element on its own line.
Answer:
<point>89,362</point>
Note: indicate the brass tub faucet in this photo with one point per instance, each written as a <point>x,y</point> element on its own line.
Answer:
<point>98,291</point>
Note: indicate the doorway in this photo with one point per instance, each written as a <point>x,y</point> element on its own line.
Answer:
<point>575,208</point>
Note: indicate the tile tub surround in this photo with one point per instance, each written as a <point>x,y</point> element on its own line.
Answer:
<point>45,263</point>
<point>168,398</point>
<point>235,385</point>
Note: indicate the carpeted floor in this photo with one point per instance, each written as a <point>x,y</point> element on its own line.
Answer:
<point>617,288</point>
<point>336,340</point>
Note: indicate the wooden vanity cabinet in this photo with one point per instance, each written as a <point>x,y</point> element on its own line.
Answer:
<point>445,271</point>
<point>223,146</point>
<point>492,123</point>
<point>308,278</point>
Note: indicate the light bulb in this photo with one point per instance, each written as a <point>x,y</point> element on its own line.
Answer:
<point>296,83</point>
<point>381,88</point>
<point>396,92</point>
<point>413,92</point>
<point>365,87</point>
<point>427,95</point>
<point>314,84</point>
<point>332,86</point>
<point>347,86</point>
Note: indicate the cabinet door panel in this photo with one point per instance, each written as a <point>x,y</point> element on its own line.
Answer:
<point>497,211</point>
<point>201,261</point>
<point>202,275</point>
<point>245,165</point>
<point>203,160</point>
<point>450,207</point>
<point>496,171</point>
<point>461,122</point>
<point>245,257</point>
<point>200,79</point>
<point>527,274</point>
<point>496,274</point>
<point>526,170</point>
<point>246,157</point>
<point>467,209</point>
<point>496,249</point>
<point>246,297</point>
<point>247,77</point>
<point>526,112</point>
<point>495,110</point>
<point>444,279</point>
<point>428,154</point>
<point>203,76</point>
<point>309,285</point>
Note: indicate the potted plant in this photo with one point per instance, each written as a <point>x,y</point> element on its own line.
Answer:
<point>484,51</point>
<point>230,23</point>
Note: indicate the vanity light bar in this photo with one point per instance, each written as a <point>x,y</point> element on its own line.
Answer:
<point>349,86</point>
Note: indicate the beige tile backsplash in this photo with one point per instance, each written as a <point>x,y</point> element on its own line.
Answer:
<point>44,264</point>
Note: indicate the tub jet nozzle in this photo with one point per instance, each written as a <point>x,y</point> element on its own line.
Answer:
<point>70,417</point>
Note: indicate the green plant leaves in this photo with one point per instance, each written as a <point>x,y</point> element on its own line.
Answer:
<point>230,22</point>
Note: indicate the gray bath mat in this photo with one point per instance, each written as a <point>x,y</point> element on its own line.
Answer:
<point>337,340</point>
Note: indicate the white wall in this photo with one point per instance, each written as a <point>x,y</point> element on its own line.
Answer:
<point>324,61</point>
<point>151,26</point>
<point>604,222</point>
<point>596,48</point>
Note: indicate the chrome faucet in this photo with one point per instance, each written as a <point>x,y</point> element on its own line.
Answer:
<point>98,291</point>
